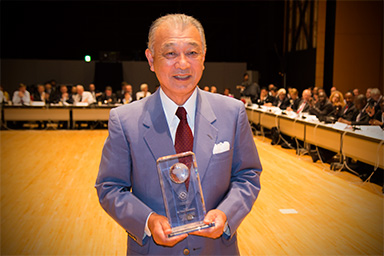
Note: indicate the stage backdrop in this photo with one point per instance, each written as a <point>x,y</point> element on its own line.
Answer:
<point>71,72</point>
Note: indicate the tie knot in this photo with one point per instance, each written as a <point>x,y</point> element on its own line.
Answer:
<point>181,113</point>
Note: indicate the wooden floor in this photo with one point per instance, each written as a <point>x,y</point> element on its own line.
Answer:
<point>49,205</point>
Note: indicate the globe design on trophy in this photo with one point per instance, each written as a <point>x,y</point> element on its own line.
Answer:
<point>179,173</point>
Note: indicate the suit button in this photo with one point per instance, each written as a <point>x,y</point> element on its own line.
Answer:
<point>186,252</point>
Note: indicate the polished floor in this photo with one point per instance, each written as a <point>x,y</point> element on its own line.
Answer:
<point>49,205</point>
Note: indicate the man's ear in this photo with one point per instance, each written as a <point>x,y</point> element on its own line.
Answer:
<point>204,60</point>
<point>149,56</point>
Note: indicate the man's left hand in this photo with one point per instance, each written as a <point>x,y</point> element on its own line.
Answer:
<point>216,231</point>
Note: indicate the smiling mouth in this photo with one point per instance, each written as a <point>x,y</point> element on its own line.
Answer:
<point>182,77</point>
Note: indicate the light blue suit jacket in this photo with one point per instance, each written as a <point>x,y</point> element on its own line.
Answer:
<point>128,184</point>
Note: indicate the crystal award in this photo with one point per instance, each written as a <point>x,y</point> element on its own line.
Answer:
<point>182,193</point>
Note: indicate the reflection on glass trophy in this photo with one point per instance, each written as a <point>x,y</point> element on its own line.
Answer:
<point>182,193</point>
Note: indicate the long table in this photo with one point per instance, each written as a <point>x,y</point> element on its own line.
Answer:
<point>70,114</point>
<point>368,148</point>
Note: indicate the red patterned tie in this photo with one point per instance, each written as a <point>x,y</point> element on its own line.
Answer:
<point>184,138</point>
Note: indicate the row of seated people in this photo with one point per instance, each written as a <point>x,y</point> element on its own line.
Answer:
<point>353,110</point>
<point>77,94</point>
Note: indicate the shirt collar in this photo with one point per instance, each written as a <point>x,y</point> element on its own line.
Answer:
<point>170,107</point>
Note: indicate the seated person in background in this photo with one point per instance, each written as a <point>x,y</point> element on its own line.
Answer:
<point>95,94</point>
<point>127,98</point>
<point>322,108</point>
<point>356,92</point>
<point>63,96</point>
<point>128,89</point>
<point>337,101</point>
<point>82,96</point>
<point>378,117</point>
<point>272,94</point>
<point>143,93</point>
<point>73,91</point>
<point>347,112</point>
<point>360,116</point>
<point>40,94</point>
<point>108,97</point>
<point>227,92</point>
<point>263,97</point>
<point>315,93</point>
<point>367,94</point>
<point>21,96</point>
<point>376,99</point>
<point>49,92</point>
<point>333,89</point>
<point>120,93</point>
<point>281,100</point>
<point>294,100</point>
<point>213,89</point>
<point>206,88</point>
<point>5,95</point>
<point>303,105</point>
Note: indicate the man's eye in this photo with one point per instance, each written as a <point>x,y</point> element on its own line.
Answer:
<point>170,54</point>
<point>192,53</point>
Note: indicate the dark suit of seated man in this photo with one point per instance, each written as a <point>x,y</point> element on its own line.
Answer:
<point>282,100</point>
<point>322,108</point>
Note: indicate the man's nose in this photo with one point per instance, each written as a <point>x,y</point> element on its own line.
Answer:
<point>182,62</point>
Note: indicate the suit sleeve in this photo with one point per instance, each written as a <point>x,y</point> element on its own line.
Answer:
<point>245,176</point>
<point>113,183</point>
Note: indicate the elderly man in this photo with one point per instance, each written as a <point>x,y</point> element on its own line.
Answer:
<point>128,185</point>
<point>304,103</point>
<point>82,96</point>
<point>143,92</point>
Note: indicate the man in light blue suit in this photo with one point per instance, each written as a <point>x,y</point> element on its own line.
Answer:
<point>128,184</point>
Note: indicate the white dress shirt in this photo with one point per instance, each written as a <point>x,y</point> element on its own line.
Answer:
<point>17,100</point>
<point>85,97</point>
<point>140,95</point>
<point>170,109</point>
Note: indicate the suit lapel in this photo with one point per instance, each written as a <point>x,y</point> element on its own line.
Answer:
<point>157,136</point>
<point>159,140</point>
<point>205,133</point>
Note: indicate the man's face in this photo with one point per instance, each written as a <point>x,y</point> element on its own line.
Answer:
<point>367,93</point>
<point>63,89</point>
<point>128,88</point>
<point>263,92</point>
<point>306,95</point>
<point>348,98</point>
<point>91,87</point>
<point>322,97</point>
<point>178,59</point>
<point>80,90</point>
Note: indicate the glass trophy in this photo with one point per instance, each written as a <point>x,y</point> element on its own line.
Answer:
<point>182,193</point>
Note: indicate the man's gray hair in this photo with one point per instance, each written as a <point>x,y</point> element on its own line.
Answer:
<point>375,91</point>
<point>178,20</point>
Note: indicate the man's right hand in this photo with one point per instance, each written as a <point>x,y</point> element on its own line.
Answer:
<point>160,229</point>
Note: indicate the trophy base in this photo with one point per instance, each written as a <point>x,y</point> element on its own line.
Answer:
<point>190,228</point>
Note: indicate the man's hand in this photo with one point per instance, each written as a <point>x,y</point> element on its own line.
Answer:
<point>160,229</point>
<point>216,231</point>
